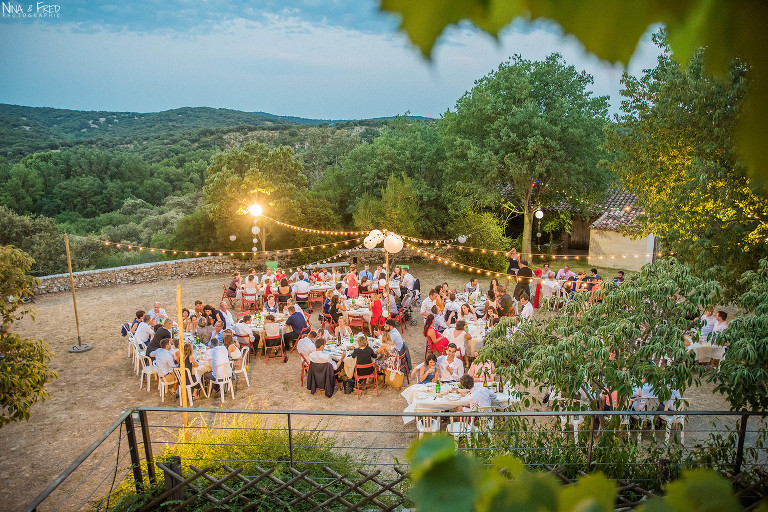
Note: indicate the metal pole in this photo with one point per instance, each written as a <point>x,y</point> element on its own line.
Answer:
<point>133,449</point>
<point>80,347</point>
<point>290,439</point>
<point>144,425</point>
<point>740,445</point>
<point>183,383</point>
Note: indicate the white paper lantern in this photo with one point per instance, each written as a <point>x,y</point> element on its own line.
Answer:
<point>376,235</point>
<point>232,238</point>
<point>255,230</point>
<point>255,240</point>
<point>539,214</point>
<point>393,243</point>
<point>254,248</point>
<point>369,242</point>
<point>462,239</point>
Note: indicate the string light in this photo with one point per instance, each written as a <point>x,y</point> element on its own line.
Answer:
<point>543,255</point>
<point>315,231</point>
<point>107,243</point>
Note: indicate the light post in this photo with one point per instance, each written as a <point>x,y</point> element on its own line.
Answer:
<point>256,210</point>
<point>393,243</point>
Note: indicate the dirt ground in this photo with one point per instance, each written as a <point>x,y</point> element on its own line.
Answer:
<point>94,387</point>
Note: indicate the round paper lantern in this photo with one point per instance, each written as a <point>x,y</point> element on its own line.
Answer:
<point>462,239</point>
<point>376,235</point>
<point>255,240</point>
<point>232,238</point>
<point>539,214</point>
<point>369,242</point>
<point>254,249</point>
<point>255,230</point>
<point>393,243</point>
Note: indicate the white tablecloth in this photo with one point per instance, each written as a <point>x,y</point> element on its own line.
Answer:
<point>706,351</point>
<point>432,401</point>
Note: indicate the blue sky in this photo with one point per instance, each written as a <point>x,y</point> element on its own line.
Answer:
<point>318,59</point>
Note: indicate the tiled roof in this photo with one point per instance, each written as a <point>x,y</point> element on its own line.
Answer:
<point>613,220</point>
<point>617,200</point>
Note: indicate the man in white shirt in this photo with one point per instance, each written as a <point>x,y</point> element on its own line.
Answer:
<point>720,325</point>
<point>379,271</point>
<point>365,272</point>
<point>472,286</point>
<point>450,367</point>
<point>296,307</point>
<point>301,289</point>
<point>427,303</point>
<point>564,273</point>
<point>219,355</point>
<point>229,322</point>
<point>266,276</point>
<point>242,328</point>
<point>164,361</point>
<point>339,291</point>
<point>318,356</point>
<point>325,275</point>
<point>297,276</point>
<point>527,311</point>
<point>306,345</point>
<point>144,332</point>
<point>479,395</point>
<point>157,313</point>
<point>407,281</point>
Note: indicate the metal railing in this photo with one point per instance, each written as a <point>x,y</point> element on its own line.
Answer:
<point>132,455</point>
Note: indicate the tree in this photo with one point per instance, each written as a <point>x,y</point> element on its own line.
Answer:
<point>252,174</point>
<point>674,149</point>
<point>23,365</point>
<point>743,375</point>
<point>36,236</point>
<point>524,134</point>
<point>611,30</point>
<point>324,148</point>
<point>608,345</point>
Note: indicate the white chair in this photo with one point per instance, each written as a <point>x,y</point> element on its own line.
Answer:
<point>146,369</point>
<point>223,379</point>
<point>426,424</point>
<point>573,421</point>
<point>676,404</point>
<point>646,403</point>
<point>462,427</point>
<point>243,365</point>
<point>165,382</point>
<point>138,352</point>
<point>189,384</point>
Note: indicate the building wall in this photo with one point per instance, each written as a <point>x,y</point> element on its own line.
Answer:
<point>613,247</point>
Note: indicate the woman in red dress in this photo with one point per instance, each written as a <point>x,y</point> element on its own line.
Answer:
<point>377,312</point>
<point>436,342</point>
<point>537,273</point>
<point>351,280</point>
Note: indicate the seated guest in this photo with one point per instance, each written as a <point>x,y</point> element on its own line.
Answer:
<point>407,282</point>
<point>218,331</point>
<point>336,307</point>
<point>427,370</point>
<point>208,313</point>
<point>472,286</point>
<point>427,303</point>
<point>234,285</point>
<point>439,300</point>
<point>436,341</point>
<point>467,314</point>
<point>280,275</point>
<point>204,330</point>
<point>491,314</point>
<point>225,315</point>
<point>342,330</point>
<point>314,276</point>
<point>440,324</point>
<point>460,337</point>
<point>319,356</point>
<point>189,323</point>
<point>335,276</point>
<point>306,345</point>
<point>452,309</point>
<point>482,371</point>
<point>244,332</point>
<point>251,286</point>
<point>137,320</point>
<point>268,291</point>
<point>506,304</point>
<point>450,367</point>
<point>297,323</point>
<point>157,314</point>
<point>494,287</point>
<point>288,304</point>
<point>191,363</point>
<point>527,307</point>
<point>164,361</point>
<point>549,285</point>
<point>490,301</point>
<point>395,273</point>
<point>144,331</point>
<point>327,302</point>
<point>198,308</point>
<point>479,396</point>
<point>364,286</point>
<point>270,306</point>
<point>707,323</point>
<point>325,275</point>
<point>564,273</point>
<point>364,355</point>
<point>267,277</point>
<point>284,288</point>
<point>297,276</point>
<point>619,279</point>
<point>163,332</point>
<point>568,286</point>
<point>219,356</point>
<point>235,354</point>
<point>365,273</point>
<point>175,352</point>
<point>580,283</point>
<point>720,325</point>
<point>387,353</point>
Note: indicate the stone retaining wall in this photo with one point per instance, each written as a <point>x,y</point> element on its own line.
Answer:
<point>192,267</point>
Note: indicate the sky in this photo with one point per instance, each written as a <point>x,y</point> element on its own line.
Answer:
<point>323,59</point>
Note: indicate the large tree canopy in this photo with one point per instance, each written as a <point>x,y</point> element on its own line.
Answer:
<point>526,136</point>
<point>674,148</point>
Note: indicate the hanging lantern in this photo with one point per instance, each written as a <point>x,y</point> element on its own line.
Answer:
<point>462,239</point>
<point>255,230</point>
<point>369,242</point>
<point>539,214</point>
<point>232,238</point>
<point>377,236</point>
<point>393,243</point>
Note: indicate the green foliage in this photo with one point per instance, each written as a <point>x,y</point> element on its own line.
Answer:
<point>488,232</point>
<point>36,236</point>
<point>324,148</point>
<point>743,375</point>
<point>524,134</point>
<point>611,30</point>
<point>587,348</point>
<point>23,364</point>
<point>397,210</point>
<point>674,149</point>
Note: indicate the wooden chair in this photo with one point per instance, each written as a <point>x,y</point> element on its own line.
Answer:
<point>369,380</point>
<point>231,300</point>
<point>315,296</point>
<point>249,299</point>
<point>304,332</point>
<point>282,300</point>
<point>356,320</point>
<point>276,348</point>
<point>400,317</point>
<point>328,319</point>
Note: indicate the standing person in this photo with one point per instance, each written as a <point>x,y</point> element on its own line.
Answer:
<point>537,296</point>
<point>297,323</point>
<point>524,276</point>
<point>513,266</point>
<point>377,312</point>
<point>351,281</point>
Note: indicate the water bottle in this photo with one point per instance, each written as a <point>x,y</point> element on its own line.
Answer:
<point>437,386</point>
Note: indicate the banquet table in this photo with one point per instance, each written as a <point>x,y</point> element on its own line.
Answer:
<point>423,396</point>
<point>707,351</point>
<point>476,330</point>
<point>257,324</point>
<point>393,285</point>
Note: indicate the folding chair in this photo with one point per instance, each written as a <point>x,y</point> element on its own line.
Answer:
<point>365,379</point>
<point>223,379</point>
<point>356,320</point>
<point>316,296</point>
<point>304,368</point>
<point>231,300</point>
<point>268,347</point>
<point>249,299</point>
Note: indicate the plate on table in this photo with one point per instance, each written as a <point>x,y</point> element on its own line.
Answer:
<point>453,397</point>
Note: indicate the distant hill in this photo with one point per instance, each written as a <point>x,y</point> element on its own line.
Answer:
<point>25,130</point>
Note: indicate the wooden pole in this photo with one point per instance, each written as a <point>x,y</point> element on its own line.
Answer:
<point>79,347</point>
<point>183,373</point>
